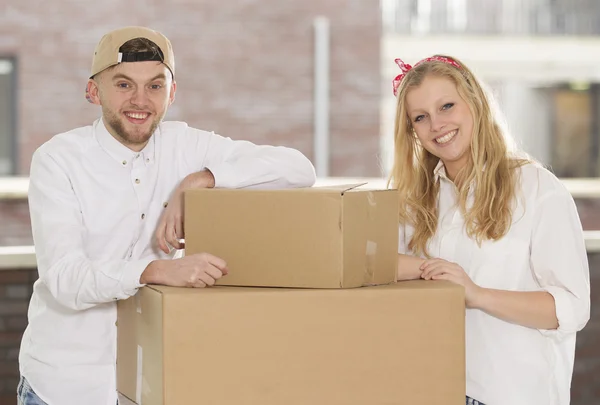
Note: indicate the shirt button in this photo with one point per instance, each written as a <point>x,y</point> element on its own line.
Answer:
<point>137,156</point>
<point>137,181</point>
<point>165,204</point>
<point>124,162</point>
<point>148,160</point>
<point>143,216</point>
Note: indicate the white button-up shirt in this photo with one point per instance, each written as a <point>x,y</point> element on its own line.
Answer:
<point>94,207</point>
<point>544,250</point>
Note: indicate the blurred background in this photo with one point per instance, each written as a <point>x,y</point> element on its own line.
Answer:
<point>314,75</point>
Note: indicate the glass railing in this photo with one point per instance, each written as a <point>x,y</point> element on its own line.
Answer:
<point>491,17</point>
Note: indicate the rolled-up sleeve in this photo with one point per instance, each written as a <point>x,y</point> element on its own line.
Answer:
<point>72,278</point>
<point>559,261</point>
<point>242,164</point>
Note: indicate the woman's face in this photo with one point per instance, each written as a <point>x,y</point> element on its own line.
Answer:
<point>442,121</point>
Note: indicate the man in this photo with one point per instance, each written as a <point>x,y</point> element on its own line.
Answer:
<point>106,202</point>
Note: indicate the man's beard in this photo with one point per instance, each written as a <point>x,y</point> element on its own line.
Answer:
<point>116,124</point>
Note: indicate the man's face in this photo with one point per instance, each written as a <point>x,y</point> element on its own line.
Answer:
<point>134,97</point>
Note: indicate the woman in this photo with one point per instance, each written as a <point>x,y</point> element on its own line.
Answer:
<point>476,214</point>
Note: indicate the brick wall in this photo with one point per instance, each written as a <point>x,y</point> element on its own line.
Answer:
<point>585,389</point>
<point>15,226</point>
<point>244,69</point>
<point>15,290</point>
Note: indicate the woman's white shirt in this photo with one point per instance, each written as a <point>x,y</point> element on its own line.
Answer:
<point>544,250</point>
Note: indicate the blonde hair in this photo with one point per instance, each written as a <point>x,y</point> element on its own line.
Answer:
<point>490,167</point>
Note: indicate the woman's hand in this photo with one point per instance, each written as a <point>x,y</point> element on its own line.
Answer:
<point>440,269</point>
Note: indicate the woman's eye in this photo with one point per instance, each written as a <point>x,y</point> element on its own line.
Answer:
<point>447,106</point>
<point>419,118</point>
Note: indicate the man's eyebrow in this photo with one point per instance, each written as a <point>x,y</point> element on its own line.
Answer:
<point>123,76</point>
<point>158,76</point>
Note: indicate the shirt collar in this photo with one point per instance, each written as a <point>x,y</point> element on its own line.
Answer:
<point>120,152</point>
<point>440,171</point>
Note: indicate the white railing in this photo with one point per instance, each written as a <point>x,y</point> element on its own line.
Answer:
<point>16,187</point>
<point>23,257</point>
<point>17,257</point>
<point>13,188</point>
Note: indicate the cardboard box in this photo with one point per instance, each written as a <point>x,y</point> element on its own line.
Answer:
<point>331,237</point>
<point>395,344</point>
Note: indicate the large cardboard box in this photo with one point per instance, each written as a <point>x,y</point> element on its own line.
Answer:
<point>384,345</point>
<point>332,237</point>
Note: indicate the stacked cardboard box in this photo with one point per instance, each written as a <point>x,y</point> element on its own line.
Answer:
<point>337,329</point>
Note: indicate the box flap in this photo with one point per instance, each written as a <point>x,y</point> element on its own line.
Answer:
<point>342,187</point>
<point>370,237</point>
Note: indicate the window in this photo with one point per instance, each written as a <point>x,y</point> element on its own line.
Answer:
<point>575,130</point>
<point>8,158</point>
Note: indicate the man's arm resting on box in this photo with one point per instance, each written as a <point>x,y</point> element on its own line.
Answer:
<point>198,270</point>
<point>170,226</point>
<point>242,164</point>
<point>216,161</point>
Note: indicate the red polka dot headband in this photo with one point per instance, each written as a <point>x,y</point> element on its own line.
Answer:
<point>405,67</point>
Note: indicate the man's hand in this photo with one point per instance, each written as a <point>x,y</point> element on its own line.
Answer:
<point>198,270</point>
<point>440,269</point>
<point>170,227</point>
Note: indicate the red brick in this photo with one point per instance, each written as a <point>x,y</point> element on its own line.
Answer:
<point>16,323</point>
<point>12,354</point>
<point>586,374</point>
<point>10,339</point>
<point>14,277</point>
<point>9,368</point>
<point>18,291</point>
<point>11,307</point>
<point>33,276</point>
<point>9,398</point>
<point>589,212</point>
<point>8,388</point>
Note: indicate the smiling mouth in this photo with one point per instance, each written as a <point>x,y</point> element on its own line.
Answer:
<point>446,138</point>
<point>137,117</point>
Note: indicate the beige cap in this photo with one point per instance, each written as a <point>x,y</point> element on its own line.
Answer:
<point>107,51</point>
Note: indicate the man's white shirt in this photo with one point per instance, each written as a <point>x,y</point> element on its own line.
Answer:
<point>95,205</point>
